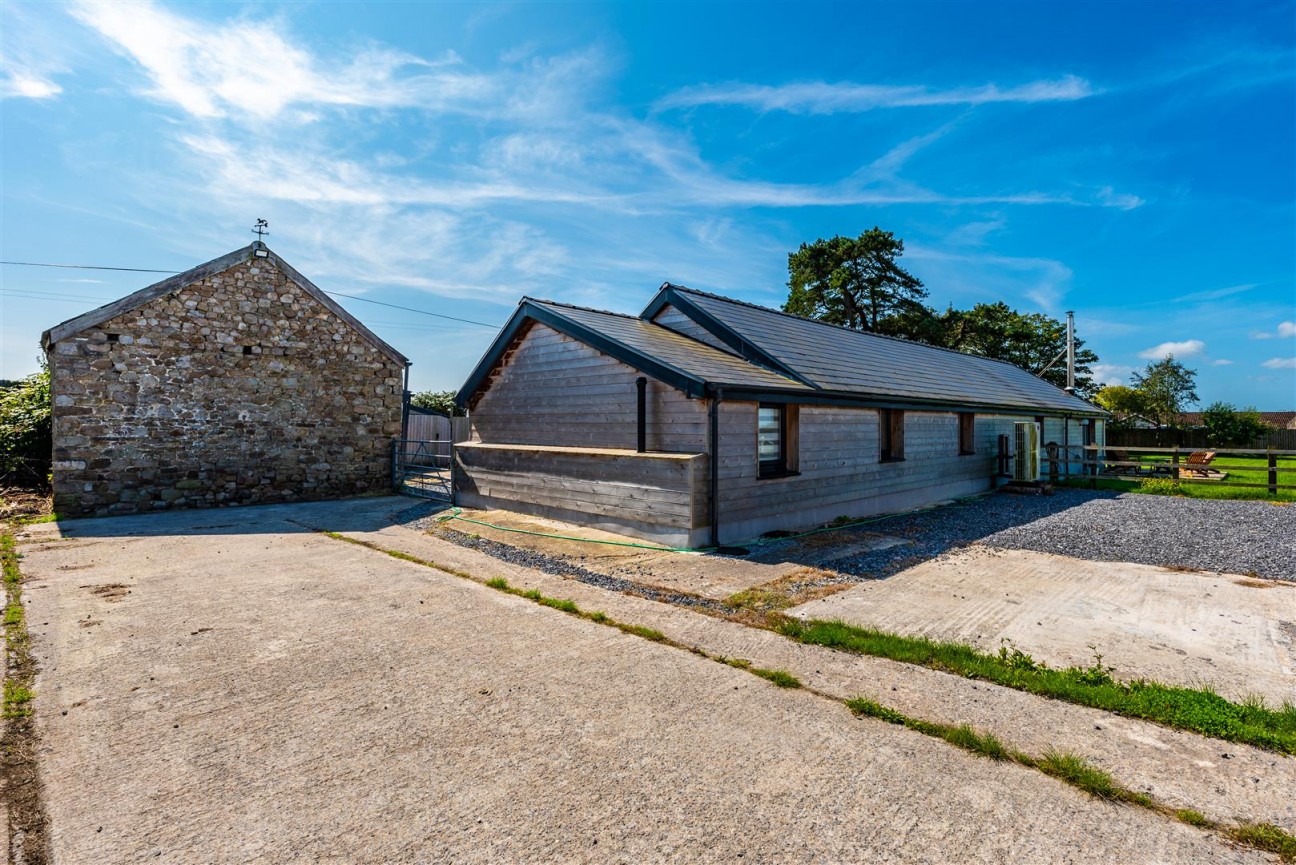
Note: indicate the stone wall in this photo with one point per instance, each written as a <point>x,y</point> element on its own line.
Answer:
<point>240,388</point>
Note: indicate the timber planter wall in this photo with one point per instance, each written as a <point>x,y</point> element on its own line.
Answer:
<point>656,496</point>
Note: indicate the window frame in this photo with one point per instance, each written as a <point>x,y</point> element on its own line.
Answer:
<point>891,444</point>
<point>967,433</point>
<point>783,466</point>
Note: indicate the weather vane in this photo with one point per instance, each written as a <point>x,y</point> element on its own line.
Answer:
<point>262,228</point>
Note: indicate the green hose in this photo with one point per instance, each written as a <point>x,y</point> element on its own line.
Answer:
<point>754,542</point>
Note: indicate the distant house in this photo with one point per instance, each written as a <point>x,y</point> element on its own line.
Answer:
<point>708,420</point>
<point>1275,419</point>
<point>236,382</point>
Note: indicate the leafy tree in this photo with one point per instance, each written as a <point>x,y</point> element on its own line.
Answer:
<point>1165,387</point>
<point>1032,341</point>
<point>853,281</point>
<point>25,432</point>
<point>856,282</point>
<point>437,400</point>
<point>1225,425</point>
<point>1124,403</point>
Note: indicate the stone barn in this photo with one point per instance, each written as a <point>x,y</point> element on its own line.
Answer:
<point>237,382</point>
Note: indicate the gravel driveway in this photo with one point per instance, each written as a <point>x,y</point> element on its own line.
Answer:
<point>1230,536</point>
<point>233,687</point>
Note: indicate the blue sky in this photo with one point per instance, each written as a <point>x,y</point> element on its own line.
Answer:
<point>1133,162</point>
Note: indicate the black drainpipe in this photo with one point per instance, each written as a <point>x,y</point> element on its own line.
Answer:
<point>641,384</point>
<point>714,466</point>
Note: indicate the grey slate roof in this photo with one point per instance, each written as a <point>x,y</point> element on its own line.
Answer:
<point>98,316</point>
<point>696,359</point>
<point>846,361</point>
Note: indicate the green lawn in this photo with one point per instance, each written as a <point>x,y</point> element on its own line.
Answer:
<point>1256,472</point>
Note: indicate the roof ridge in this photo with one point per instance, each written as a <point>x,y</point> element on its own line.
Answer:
<point>528,297</point>
<point>792,315</point>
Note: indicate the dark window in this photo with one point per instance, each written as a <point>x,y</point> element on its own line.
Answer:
<point>967,433</point>
<point>774,433</point>
<point>1091,432</point>
<point>891,434</point>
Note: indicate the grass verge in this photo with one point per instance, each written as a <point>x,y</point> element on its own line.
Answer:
<point>18,774</point>
<point>1267,837</point>
<point>1197,710</point>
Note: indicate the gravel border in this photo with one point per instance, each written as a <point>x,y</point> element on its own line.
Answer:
<point>1241,537</point>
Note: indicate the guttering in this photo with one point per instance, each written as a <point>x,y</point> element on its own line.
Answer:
<point>746,393</point>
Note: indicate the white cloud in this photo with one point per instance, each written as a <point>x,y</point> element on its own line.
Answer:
<point>251,69</point>
<point>820,97</point>
<point>1111,373</point>
<point>1222,362</point>
<point>1187,348</point>
<point>1287,328</point>
<point>1261,334</point>
<point>1280,363</point>
<point>1108,197</point>
<point>26,84</point>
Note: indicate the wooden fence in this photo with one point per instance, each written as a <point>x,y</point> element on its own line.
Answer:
<point>1122,463</point>
<point>437,427</point>
<point>1279,439</point>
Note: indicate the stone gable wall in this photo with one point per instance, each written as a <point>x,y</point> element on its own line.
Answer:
<point>238,389</point>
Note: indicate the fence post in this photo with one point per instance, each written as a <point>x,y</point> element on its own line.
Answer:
<point>1273,472</point>
<point>395,465</point>
<point>1175,463</point>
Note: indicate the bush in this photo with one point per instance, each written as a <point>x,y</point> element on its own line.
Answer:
<point>25,437</point>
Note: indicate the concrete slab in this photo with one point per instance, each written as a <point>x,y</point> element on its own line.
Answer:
<point>1237,634</point>
<point>251,691</point>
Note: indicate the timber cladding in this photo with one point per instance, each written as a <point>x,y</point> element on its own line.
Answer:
<point>650,495</point>
<point>238,388</point>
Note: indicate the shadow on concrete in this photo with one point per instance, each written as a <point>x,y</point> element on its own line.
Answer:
<point>339,515</point>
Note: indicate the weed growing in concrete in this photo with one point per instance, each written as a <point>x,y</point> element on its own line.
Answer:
<point>1268,837</point>
<point>782,678</point>
<point>498,583</point>
<point>17,699</point>
<point>1194,818</point>
<point>1197,709</point>
<point>641,631</point>
<point>1079,772</point>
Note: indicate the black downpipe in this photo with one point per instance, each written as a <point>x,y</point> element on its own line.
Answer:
<point>641,385</point>
<point>714,465</point>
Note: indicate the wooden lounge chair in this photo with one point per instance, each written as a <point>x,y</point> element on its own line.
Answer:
<point>1197,463</point>
<point>1118,456</point>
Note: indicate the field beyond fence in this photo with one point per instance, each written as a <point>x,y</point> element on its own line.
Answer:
<point>1233,473</point>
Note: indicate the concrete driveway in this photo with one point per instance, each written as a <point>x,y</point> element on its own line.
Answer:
<point>229,686</point>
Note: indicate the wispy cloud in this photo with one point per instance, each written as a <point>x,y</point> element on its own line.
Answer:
<point>1187,348</point>
<point>1215,293</point>
<point>1222,362</point>
<point>821,97</point>
<point>1287,328</point>
<point>1280,363</point>
<point>252,69</point>
<point>17,82</point>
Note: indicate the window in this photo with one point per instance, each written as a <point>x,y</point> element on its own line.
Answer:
<point>776,440</point>
<point>891,435</point>
<point>967,433</point>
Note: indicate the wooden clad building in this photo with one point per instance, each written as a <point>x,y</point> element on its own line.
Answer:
<point>707,420</point>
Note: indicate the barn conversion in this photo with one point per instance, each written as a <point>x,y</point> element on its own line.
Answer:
<point>708,420</point>
<point>236,382</point>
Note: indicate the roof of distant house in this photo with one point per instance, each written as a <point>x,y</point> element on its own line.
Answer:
<point>1279,419</point>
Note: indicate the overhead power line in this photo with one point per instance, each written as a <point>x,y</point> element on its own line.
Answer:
<point>326,291</point>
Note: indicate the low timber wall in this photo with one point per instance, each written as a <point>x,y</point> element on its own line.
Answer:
<point>660,497</point>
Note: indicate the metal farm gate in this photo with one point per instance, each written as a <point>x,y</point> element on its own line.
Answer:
<point>423,468</point>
